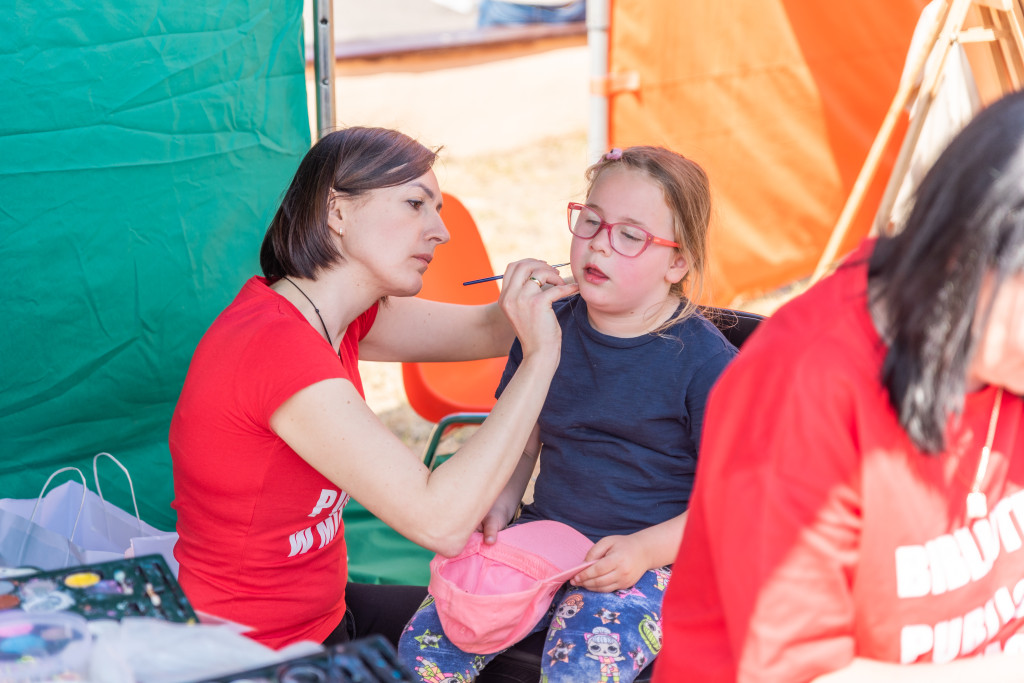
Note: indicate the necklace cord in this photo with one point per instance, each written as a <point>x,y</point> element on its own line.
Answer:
<point>315,309</point>
<point>977,503</point>
<point>986,450</point>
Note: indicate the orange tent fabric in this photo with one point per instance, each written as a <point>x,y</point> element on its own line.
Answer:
<point>779,100</point>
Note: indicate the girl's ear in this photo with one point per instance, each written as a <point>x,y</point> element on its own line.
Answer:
<point>677,269</point>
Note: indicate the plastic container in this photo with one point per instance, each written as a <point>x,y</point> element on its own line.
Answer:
<point>44,646</point>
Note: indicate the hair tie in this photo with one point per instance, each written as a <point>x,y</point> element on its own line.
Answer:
<point>613,155</point>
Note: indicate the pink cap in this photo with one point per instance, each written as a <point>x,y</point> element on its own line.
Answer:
<point>489,597</point>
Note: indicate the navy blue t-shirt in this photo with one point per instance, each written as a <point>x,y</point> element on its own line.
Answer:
<point>622,422</point>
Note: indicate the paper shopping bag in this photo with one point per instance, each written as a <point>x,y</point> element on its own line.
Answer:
<point>67,511</point>
<point>70,510</point>
<point>26,544</point>
<point>101,530</point>
<point>131,534</point>
<point>160,544</point>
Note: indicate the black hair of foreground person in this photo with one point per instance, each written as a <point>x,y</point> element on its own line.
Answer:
<point>928,277</point>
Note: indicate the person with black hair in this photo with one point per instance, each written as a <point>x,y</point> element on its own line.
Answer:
<point>271,434</point>
<point>859,503</point>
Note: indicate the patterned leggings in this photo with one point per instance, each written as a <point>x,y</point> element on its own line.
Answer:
<point>606,637</point>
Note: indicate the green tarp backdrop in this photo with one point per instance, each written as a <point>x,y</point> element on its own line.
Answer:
<point>144,146</point>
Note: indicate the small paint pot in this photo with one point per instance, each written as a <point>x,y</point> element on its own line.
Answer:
<point>302,673</point>
<point>25,645</point>
<point>46,646</point>
<point>17,572</point>
<point>81,579</point>
<point>18,627</point>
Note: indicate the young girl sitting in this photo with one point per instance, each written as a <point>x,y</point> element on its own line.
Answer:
<point>621,424</point>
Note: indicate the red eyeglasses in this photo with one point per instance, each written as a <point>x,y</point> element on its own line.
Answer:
<point>625,238</point>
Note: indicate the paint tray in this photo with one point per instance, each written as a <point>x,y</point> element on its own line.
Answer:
<point>366,660</point>
<point>132,587</point>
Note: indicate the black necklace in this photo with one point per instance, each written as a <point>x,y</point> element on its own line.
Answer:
<point>314,308</point>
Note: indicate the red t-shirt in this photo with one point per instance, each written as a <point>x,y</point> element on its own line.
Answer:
<point>817,533</point>
<point>261,537</point>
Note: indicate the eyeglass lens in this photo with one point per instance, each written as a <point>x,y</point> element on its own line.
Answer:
<point>626,239</point>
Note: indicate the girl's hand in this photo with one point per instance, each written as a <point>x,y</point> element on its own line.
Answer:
<point>526,301</point>
<point>494,521</point>
<point>621,561</point>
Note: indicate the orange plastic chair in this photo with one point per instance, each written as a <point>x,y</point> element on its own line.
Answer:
<point>454,394</point>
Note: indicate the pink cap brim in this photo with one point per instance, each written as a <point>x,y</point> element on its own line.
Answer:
<point>490,597</point>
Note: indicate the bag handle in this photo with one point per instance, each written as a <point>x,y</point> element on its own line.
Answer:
<point>35,509</point>
<point>131,487</point>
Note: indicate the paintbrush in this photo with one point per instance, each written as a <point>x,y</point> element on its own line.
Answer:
<point>498,277</point>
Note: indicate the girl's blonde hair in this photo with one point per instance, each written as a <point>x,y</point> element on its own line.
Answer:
<point>688,196</point>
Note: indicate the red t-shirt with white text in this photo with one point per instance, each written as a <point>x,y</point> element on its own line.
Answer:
<point>817,532</point>
<point>261,536</point>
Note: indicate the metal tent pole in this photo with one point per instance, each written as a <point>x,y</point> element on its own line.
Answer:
<point>598,19</point>
<point>323,65</point>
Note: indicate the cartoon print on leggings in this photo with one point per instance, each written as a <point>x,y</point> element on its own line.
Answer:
<point>603,645</point>
<point>607,616</point>
<point>560,652</point>
<point>626,592</point>
<point>639,658</point>
<point>662,575</point>
<point>430,673</point>
<point>569,608</point>
<point>650,631</point>
<point>428,639</point>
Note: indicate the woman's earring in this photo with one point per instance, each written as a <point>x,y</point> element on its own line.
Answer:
<point>341,233</point>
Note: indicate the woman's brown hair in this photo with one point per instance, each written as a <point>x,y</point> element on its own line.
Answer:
<point>352,162</point>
